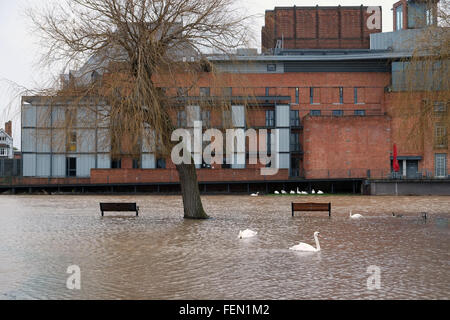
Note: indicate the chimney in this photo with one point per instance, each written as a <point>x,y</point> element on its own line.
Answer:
<point>8,128</point>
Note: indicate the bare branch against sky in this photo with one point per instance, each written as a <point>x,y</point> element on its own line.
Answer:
<point>21,50</point>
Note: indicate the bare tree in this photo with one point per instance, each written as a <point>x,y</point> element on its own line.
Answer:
<point>132,55</point>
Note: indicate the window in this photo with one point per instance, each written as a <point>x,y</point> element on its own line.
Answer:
<point>227,92</point>
<point>3,152</point>
<point>181,119</point>
<point>440,163</point>
<point>297,95</point>
<point>161,163</point>
<point>440,136</point>
<point>205,92</point>
<point>315,113</point>
<point>206,118</point>
<point>271,67</point>
<point>341,95</point>
<point>136,164</point>
<point>71,167</point>
<point>399,17</point>
<point>71,145</point>
<point>227,118</point>
<point>295,118</point>
<point>440,107</point>
<point>312,92</point>
<point>270,118</point>
<point>361,113</point>
<point>295,142</point>
<point>356,95</point>
<point>338,113</point>
<point>116,163</point>
<point>269,142</point>
<point>182,92</point>
<point>267,91</point>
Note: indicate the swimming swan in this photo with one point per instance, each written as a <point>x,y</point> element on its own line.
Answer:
<point>355,216</point>
<point>247,234</point>
<point>306,247</point>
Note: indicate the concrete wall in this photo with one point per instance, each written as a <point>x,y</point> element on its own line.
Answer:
<point>405,188</point>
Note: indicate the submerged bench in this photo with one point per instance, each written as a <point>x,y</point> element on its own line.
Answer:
<point>119,207</point>
<point>311,207</point>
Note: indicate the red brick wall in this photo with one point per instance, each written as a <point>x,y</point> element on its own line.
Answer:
<point>335,145</point>
<point>317,28</point>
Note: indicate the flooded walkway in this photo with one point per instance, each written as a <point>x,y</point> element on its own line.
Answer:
<point>162,256</point>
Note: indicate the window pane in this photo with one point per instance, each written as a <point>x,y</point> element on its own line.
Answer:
<point>338,113</point>
<point>315,112</point>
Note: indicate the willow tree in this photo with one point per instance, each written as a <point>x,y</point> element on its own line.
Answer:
<point>134,54</point>
<point>423,100</point>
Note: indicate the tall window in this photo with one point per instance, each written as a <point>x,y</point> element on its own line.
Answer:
<point>295,118</point>
<point>341,95</point>
<point>440,163</point>
<point>206,118</point>
<point>71,167</point>
<point>399,17</point>
<point>297,95</point>
<point>181,119</point>
<point>295,142</point>
<point>440,136</point>
<point>3,152</point>
<point>270,118</point>
<point>227,119</point>
<point>311,95</point>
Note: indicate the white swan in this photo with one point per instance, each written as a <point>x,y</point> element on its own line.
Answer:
<point>298,191</point>
<point>319,192</point>
<point>283,192</point>
<point>292,192</point>
<point>276,192</point>
<point>313,191</point>
<point>255,194</point>
<point>306,247</point>
<point>247,234</point>
<point>304,192</point>
<point>355,216</point>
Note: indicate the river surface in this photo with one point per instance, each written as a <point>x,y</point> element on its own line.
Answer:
<point>159,255</point>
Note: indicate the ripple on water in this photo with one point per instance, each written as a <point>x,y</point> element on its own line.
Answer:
<point>162,256</point>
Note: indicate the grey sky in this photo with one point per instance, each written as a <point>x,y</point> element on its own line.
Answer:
<point>19,48</point>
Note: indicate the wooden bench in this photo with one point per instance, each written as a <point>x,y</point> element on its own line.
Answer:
<point>119,207</point>
<point>311,207</point>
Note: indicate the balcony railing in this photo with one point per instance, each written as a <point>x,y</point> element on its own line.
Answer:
<point>346,112</point>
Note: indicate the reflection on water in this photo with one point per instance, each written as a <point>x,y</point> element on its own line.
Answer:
<point>161,256</point>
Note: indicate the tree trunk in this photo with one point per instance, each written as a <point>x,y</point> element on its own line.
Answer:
<point>193,207</point>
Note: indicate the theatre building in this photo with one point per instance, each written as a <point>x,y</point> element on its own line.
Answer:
<point>325,80</point>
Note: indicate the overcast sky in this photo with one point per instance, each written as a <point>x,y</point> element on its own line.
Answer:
<point>19,48</point>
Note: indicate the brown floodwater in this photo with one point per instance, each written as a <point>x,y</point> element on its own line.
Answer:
<point>162,256</point>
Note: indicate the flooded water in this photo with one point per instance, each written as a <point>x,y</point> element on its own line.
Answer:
<point>159,255</point>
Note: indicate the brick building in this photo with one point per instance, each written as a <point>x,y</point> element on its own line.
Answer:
<point>317,28</point>
<point>334,107</point>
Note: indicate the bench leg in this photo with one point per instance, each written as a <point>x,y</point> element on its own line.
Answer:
<point>103,214</point>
